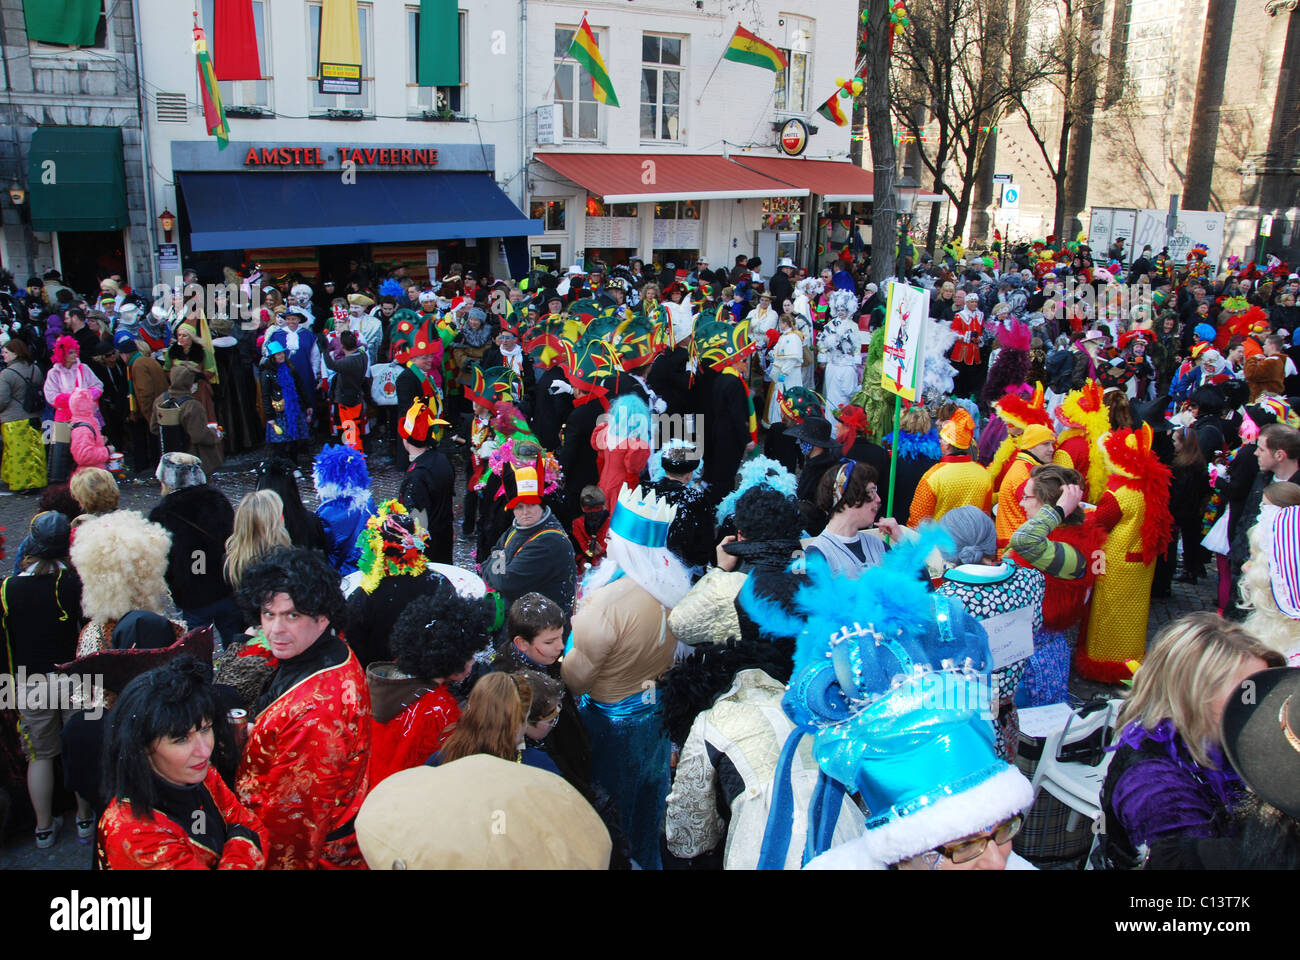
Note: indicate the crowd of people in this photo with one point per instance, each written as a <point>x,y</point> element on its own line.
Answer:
<point>715,589</point>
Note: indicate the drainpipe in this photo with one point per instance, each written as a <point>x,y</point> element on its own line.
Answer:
<point>523,105</point>
<point>146,155</point>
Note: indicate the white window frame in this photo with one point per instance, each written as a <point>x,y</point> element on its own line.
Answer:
<point>343,101</point>
<point>580,82</point>
<point>800,33</point>
<point>243,93</point>
<point>661,68</point>
<point>1151,50</point>
<point>418,98</point>
<point>42,49</point>
<point>552,231</point>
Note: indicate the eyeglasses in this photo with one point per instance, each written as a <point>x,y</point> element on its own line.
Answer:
<point>964,851</point>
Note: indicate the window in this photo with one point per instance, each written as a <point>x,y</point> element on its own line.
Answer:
<point>550,211</point>
<point>661,87</point>
<point>244,93</point>
<point>677,210</point>
<point>580,107</point>
<point>340,101</point>
<point>101,41</point>
<point>1149,49</point>
<point>792,83</point>
<point>597,207</point>
<point>437,99</point>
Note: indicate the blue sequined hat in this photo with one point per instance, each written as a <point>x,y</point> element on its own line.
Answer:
<point>898,701</point>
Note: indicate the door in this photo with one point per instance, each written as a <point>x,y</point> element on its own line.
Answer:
<point>88,256</point>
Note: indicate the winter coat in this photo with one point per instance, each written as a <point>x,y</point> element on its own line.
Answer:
<point>200,520</point>
<point>344,519</point>
<point>13,387</point>
<point>427,493</point>
<point>86,440</point>
<point>148,381</point>
<point>537,559</point>
<point>192,430</point>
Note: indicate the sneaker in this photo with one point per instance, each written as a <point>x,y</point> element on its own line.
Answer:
<point>45,838</point>
<point>86,830</point>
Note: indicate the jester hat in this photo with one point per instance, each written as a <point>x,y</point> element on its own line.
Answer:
<point>799,402</point>
<point>720,344</point>
<point>489,387</point>
<point>392,545</point>
<point>422,425</point>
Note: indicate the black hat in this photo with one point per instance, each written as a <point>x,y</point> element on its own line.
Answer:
<point>1208,399</point>
<point>1261,736</point>
<point>104,348</point>
<point>49,536</point>
<point>814,430</point>
<point>1262,416</point>
<point>681,459</point>
<point>1153,414</point>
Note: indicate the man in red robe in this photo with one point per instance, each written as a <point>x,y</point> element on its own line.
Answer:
<point>303,771</point>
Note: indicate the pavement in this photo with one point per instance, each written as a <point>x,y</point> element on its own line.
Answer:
<point>238,477</point>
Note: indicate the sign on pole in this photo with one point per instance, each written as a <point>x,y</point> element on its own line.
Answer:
<point>1001,178</point>
<point>906,311</point>
<point>1266,225</point>
<point>1011,196</point>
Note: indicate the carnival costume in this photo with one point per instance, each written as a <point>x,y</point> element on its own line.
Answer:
<point>1135,510</point>
<point>343,486</point>
<point>838,347</point>
<point>956,480</point>
<point>1010,515</point>
<point>1086,419</point>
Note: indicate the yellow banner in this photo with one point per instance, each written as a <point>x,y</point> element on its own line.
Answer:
<point>340,33</point>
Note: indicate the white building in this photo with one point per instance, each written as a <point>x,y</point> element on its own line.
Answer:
<point>689,163</point>
<point>312,181</point>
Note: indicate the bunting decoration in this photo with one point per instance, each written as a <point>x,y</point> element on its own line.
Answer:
<point>214,113</point>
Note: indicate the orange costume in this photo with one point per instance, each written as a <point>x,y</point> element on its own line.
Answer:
<point>160,842</point>
<point>956,480</point>
<point>1135,509</point>
<point>1084,413</point>
<point>1010,515</point>
<point>303,773</point>
<point>1017,413</point>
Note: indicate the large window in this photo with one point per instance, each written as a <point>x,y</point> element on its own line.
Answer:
<point>341,101</point>
<point>792,83</point>
<point>661,87</point>
<point>1149,49</point>
<point>677,210</point>
<point>580,107</point>
<point>549,211</point>
<point>439,99</point>
<point>245,93</point>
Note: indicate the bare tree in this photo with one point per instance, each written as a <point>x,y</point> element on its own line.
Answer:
<point>880,130</point>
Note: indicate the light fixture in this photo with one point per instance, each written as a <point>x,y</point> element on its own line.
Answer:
<point>17,194</point>
<point>167,220</point>
<point>907,190</point>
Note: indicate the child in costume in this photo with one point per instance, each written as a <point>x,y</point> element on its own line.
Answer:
<point>343,485</point>
<point>85,439</point>
<point>591,530</point>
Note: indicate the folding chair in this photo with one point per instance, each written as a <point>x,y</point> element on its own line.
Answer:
<point>1074,762</point>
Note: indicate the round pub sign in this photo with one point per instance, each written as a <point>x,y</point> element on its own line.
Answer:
<point>794,137</point>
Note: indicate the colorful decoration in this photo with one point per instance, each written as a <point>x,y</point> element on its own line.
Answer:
<point>587,53</point>
<point>214,113</point>
<point>746,47</point>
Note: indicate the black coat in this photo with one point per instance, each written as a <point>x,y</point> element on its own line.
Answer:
<point>781,289</point>
<point>371,616</point>
<point>550,410</point>
<point>726,431</point>
<point>528,376</point>
<point>200,520</point>
<point>42,620</point>
<point>576,455</point>
<point>427,493</point>
<point>783,448</point>
<point>537,559</point>
<point>690,536</point>
<point>670,380</point>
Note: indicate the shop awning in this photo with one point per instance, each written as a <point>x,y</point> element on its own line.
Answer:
<point>75,179</point>
<point>833,180</point>
<point>642,177</point>
<point>234,211</point>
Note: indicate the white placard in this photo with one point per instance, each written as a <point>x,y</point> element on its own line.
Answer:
<point>1011,637</point>
<point>1044,721</point>
<point>688,235</point>
<point>661,230</point>
<point>906,313</point>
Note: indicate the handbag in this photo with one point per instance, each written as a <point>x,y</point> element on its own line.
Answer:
<point>1216,540</point>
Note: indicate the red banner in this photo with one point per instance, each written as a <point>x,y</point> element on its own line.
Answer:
<point>234,41</point>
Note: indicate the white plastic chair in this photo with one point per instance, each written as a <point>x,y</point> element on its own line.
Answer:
<point>1077,785</point>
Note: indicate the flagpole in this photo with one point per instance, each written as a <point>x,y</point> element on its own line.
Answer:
<point>700,98</point>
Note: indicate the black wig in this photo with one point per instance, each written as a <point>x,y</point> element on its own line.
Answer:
<point>435,636</point>
<point>304,575</point>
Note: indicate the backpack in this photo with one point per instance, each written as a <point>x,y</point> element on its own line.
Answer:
<point>33,399</point>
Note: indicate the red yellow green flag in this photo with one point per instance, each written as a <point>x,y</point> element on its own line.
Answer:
<point>214,114</point>
<point>832,110</point>
<point>584,50</point>
<point>745,47</point>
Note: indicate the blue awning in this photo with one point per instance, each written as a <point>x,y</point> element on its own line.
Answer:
<point>233,211</point>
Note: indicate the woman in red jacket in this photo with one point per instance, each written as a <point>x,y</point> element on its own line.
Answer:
<point>170,809</point>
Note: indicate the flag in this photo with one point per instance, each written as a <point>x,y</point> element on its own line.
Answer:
<point>234,41</point>
<point>64,22</point>
<point>747,48</point>
<point>584,50</point>
<point>438,53</point>
<point>214,114</point>
<point>832,111</point>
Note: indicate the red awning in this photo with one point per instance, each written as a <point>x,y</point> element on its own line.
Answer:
<point>640,177</point>
<point>833,180</point>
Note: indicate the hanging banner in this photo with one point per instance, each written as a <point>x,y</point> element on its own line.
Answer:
<point>438,53</point>
<point>234,41</point>
<point>340,47</point>
<point>907,309</point>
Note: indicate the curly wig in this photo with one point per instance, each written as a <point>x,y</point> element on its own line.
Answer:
<point>763,513</point>
<point>121,559</point>
<point>167,701</point>
<point>303,574</point>
<point>436,635</point>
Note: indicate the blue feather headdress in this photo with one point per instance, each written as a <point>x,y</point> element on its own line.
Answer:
<point>629,419</point>
<point>759,470</point>
<point>391,288</point>
<point>340,472</point>
<point>913,446</point>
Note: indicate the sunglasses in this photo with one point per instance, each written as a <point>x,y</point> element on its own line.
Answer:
<point>964,851</point>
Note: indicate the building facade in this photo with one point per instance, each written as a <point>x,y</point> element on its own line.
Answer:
<point>71,150</point>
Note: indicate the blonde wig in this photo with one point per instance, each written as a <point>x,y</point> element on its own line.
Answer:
<point>95,490</point>
<point>259,528</point>
<point>122,560</point>
<point>1189,663</point>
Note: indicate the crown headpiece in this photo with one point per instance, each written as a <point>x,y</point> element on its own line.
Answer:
<point>642,518</point>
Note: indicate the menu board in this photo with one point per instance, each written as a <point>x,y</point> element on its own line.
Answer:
<point>677,234</point>
<point>613,232</point>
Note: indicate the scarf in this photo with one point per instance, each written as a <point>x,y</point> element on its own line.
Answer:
<point>749,402</point>
<point>292,415</point>
<point>476,338</point>
<point>514,359</point>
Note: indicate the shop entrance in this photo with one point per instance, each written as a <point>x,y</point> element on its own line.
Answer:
<point>88,256</point>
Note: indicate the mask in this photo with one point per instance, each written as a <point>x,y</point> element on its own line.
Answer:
<point>805,447</point>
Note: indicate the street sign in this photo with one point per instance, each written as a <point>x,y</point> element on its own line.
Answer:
<point>1266,225</point>
<point>1001,178</point>
<point>1011,196</point>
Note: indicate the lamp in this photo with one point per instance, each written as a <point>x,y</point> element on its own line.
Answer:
<point>167,220</point>
<point>17,195</point>
<point>907,190</point>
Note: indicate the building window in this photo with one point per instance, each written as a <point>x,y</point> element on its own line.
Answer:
<point>579,105</point>
<point>245,93</point>
<point>792,83</point>
<point>661,87</point>
<point>101,41</point>
<point>551,212</point>
<point>677,210</point>
<point>597,207</point>
<point>340,101</point>
<point>1149,49</point>
<point>449,100</point>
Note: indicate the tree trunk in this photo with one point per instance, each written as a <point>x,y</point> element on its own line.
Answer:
<point>880,127</point>
<point>1058,175</point>
<point>1204,134</point>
